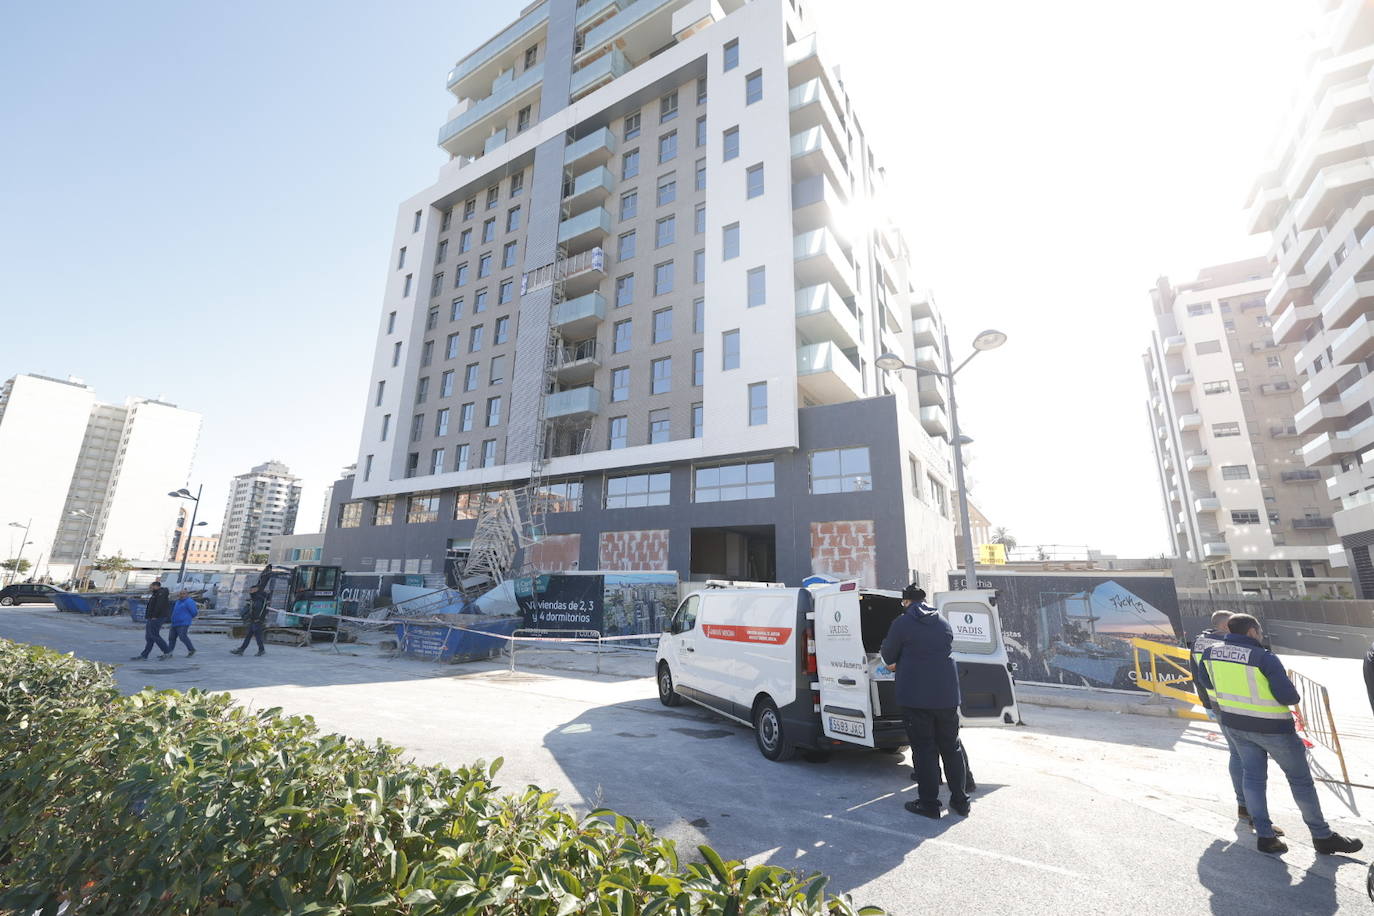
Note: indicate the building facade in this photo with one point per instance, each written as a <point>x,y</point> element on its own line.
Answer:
<point>201,550</point>
<point>92,476</point>
<point>1317,201</point>
<point>662,233</point>
<point>1222,396</point>
<point>262,505</point>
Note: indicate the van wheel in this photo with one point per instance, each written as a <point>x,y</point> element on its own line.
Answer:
<point>768,732</point>
<point>666,694</point>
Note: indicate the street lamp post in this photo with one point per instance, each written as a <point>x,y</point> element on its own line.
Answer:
<point>85,542</point>
<point>23,542</point>
<point>891,362</point>
<point>184,493</point>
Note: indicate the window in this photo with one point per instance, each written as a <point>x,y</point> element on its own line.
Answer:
<point>461,456</point>
<point>479,302</point>
<point>753,87</point>
<point>1238,366</point>
<point>629,205</point>
<point>1235,472</point>
<point>757,287</point>
<point>367,468</point>
<point>659,426</point>
<point>498,370</point>
<point>617,431</point>
<point>663,278</point>
<point>446,384</point>
<point>470,376</point>
<point>386,511</point>
<point>460,275</point>
<point>730,144</point>
<point>465,241</point>
<point>469,208</point>
<point>422,390</point>
<point>1273,362</point>
<point>451,346</point>
<point>432,318</point>
<point>381,391</point>
<point>522,119</point>
<point>465,418</point>
<point>396,353</point>
<point>624,290</point>
<point>494,411</point>
<point>505,292</point>
<point>663,325</point>
<point>436,461</point>
<point>632,491</point>
<point>1221,387</point>
<point>427,353</point>
<point>350,515</point>
<point>386,426</point>
<point>512,219</point>
<point>667,147</point>
<point>699,316</point>
<point>726,482</point>
<point>455,310</point>
<point>488,453</point>
<point>469,504</point>
<point>914,468</point>
<point>699,266</point>
<point>625,246</point>
<point>667,107</point>
<point>391,323</point>
<point>441,252</point>
<point>446,221</point>
<point>1200,308</point>
<point>517,184</point>
<point>753,181</point>
<point>729,241</point>
<point>1221,430</point>
<point>701,90</point>
<point>493,196</point>
<point>699,222</point>
<point>729,348</point>
<point>731,55</point>
<point>701,131</point>
<point>410,279</point>
<point>475,339</point>
<point>1203,347</point>
<point>1245,517</point>
<point>665,231</point>
<point>416,227</point>
<point>698,368</point>
<point>667,189</point>
<point>559,496</point>
<point>698,418</point>
<point>700,181</point>
<point>484,265</point>
<point>661,375</point>
<point>620,384</point>
<point>502,331</point>
<point>621,341</point>
<point>840,470</point>
<point>417,427</point>
<point>629,164</point>
<point>937,495</point>
<point>632,126</point>
<point>758,404</point>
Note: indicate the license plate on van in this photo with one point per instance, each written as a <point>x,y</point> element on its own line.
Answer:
<point>846,727</point>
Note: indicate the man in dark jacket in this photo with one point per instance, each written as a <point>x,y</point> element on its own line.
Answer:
<point>159,612</point>
<point>256,618</point>
<point>918,648</point>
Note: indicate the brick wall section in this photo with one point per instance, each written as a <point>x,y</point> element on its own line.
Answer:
<point>556,553</point>
<point>626,550</point>
<point>846,550</point>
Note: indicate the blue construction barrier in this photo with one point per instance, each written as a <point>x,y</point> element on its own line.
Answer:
<point>437,642</point>
<point>71,602</point>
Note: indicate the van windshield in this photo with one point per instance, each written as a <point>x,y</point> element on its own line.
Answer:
<point>876,613</point>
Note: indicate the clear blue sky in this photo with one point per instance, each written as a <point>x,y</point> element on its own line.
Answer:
<point>198,202</point>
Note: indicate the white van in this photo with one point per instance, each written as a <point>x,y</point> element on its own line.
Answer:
<point>801,665</point>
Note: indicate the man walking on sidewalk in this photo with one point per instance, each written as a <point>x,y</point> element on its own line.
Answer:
<point>256,618</point>
<point>1252,693</point>
<point>159,611</point>
<point>183,612</point>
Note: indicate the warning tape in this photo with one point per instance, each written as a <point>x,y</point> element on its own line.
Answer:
<point>466,629</point>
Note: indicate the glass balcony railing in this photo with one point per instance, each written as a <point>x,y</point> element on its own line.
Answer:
<point>502,42</point>
<point>501,95</point>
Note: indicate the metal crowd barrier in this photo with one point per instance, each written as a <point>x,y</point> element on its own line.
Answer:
<point>1314,718</point>
<point>1167,667</point>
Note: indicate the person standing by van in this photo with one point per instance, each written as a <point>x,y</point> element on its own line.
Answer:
<point>917,648</point>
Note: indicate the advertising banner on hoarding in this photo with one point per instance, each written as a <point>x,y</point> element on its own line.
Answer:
<point>1072,628</point>
<point>613,604</point>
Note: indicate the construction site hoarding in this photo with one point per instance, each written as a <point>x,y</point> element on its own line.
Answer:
<point>611,603</point>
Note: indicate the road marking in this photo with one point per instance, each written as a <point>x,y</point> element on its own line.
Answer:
<point>971,850</point>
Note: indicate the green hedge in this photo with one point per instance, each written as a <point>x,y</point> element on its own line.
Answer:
<point>172,803</point>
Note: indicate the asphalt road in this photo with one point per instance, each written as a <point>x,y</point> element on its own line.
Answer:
<point>1078,812</point>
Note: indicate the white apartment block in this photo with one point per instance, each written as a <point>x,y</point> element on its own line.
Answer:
<point>682,191</point>
<point>1238,499</point>
<point>1317,200</point>
<point>94,477</point>
<point>262,505</point>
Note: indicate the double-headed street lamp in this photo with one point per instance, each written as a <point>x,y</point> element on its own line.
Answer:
<point>85,542</point>
<point>184,493</point>
<point>988,340</point>
<point>22,544</point>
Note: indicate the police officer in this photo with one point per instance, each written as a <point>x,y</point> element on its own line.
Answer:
<point>918,648</point>
<point>1252,693</point>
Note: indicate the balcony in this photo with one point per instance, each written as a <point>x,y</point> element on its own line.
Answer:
<point>930,390</point>
<point>1189,421</point>
<point>1161,432</point>
<point>1175,343</point>
<point>490,112</point>
<point>1328,448</point>
<point>483,64</point>
<point>1289,326</point>
<point>1181,382</point>
<point>623,30</point>
<point>1312,524</point>
<point>934,422</point>
<point>594,12</point>
<point>920,303</point>
<point>925,332</point>
<point>1261,346</point>
<point>814,154</point>
<point>597,73</point>
<point>1305,475</point>
<point>811,105</point>
<point>596,147</point>
<point>1213,549</point>
<point>1207,503</point>
<point>819,259</point>
<point>1284,387</point>
<point>581,316</point>
<point>1264,214</point>
<point>592,186</point>
<point>1198,461</point>
<point>576,363</point>
<point>817,202</point>
<point>826,375</point>
<point>823,315</point>
<point>1283,432</point>
<point>1318,417</point>
<point>1329,190</point>
<point>1353,298</point>
<point>1355,342</point>
<point>928,358</point>
<point>575,402</point>
<point>594,225</point>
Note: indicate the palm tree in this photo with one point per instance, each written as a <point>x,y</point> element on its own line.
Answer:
<point>1003,536</point>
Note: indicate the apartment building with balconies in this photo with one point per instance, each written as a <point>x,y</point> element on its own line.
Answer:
<point>661,231</point>
<point>1239,500</point>
<point>1316,200</point>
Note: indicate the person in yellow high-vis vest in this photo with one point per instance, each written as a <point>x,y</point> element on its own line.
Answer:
<point>1251,692</point>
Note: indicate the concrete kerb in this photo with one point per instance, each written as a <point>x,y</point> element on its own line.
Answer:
<point>1097,700</point>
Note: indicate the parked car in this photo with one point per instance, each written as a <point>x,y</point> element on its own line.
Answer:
<point>27,593</point>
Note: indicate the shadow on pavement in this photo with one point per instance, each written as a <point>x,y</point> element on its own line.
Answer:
<point>1244,881</point>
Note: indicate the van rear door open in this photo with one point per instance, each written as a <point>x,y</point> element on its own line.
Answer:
<point>985,684</point>
<point>842,664</point>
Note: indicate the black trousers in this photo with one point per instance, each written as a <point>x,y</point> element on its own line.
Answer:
<point>934,737</point>
<point>255,630</point>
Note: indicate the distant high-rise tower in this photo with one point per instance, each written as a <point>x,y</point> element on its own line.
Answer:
<point>262,505</point>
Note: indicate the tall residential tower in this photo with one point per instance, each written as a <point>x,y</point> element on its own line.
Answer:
<point>262,505</point>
